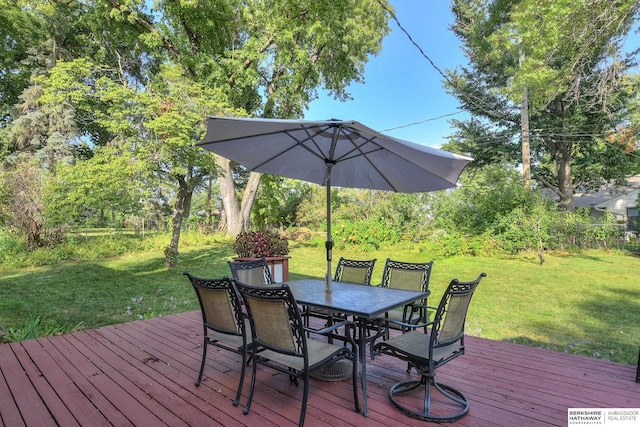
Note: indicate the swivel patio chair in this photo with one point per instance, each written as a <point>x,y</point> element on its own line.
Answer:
<point>427,349</point>
<point>280,340</point>
<point>224,323</point>
<point>254,273</point>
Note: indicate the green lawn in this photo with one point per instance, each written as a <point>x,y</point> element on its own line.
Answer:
<point>586,304</point>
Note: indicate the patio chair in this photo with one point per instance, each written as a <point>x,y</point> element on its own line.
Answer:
<point>281,343</point>
<point>224,323</point>
<point>255,273</point>
<point>347,270</point>
<point>428,347</point>
<point>354,271</point>
<point>412,276</point>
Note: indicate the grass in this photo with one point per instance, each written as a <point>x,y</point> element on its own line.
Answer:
<point>586,304</point>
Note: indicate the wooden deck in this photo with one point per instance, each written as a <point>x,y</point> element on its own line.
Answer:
<point>142,373</point>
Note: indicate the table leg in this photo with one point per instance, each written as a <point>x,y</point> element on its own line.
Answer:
<point>362,350</point>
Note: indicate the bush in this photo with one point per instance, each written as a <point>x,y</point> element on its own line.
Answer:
<point>299,234</point>
<point>258,244</point>
<point>364,235</point>
<point>22,208</point>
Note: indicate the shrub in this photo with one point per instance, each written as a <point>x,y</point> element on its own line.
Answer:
<point>364,235</point>
<point>257,244</point>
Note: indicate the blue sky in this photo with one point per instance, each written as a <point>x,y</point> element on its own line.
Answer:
<point>401,86</point>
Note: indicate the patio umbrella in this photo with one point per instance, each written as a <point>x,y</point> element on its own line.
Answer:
<point>332,152</point>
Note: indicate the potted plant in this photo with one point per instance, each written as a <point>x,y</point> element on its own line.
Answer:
<point>251,245</point>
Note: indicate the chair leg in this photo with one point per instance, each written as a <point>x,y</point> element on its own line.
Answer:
<point>247,407</point>
<point>305,398</point>
<point>243,371</point>
<point>204,359</point>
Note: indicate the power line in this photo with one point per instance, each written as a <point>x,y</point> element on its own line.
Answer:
<point>422,121</point>
<point>471,99</point>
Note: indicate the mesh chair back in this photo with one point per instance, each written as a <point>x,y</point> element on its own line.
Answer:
<point>452,312</point>
<point>220,304</point>
<point>255,273</point>
<point>275,318</point>
<point>272,326</point>
<point>218,311</point>
<point>407,275</point>
<point>354,271</point>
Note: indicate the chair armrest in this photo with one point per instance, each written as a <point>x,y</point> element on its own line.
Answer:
<point>329,331</point>
<point>407,326</point>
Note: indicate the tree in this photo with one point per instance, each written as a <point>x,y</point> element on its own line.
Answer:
<point>22,207</point>
<point>176,115</point>
<point>566,57</point>
<point>271,60</point>
<point>110,181</point>
<point>19,31</point>
<point>150,76</point>
<point>293,48</point>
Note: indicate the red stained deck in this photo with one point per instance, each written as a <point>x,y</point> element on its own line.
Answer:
<point>142,373</point>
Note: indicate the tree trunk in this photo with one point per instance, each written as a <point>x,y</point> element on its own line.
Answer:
<point>248,198</point>
<point>565,181</point>
<point>526,150</point>
<point>237,215</point>
<point>209,210</point>
<point>182,209</point>
<point>524,118</point>
<point>229,196</point>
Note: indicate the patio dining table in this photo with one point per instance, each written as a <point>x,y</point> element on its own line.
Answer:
<point>360,301</point>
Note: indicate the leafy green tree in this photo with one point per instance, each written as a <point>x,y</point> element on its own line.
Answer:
<point>147,73</point>
<point>277,202</point>
<point>291,49</point>
<point>566,56</point>
<point>22,209</point>
<point>19,31</point>
<point>177,109</point>
<point>486,195</point>
<point>110,182</point>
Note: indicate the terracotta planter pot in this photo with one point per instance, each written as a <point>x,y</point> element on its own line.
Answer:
<point>279,266</point>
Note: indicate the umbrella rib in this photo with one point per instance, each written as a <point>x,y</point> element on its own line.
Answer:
<point>360,153</point>
<point>298,143</point>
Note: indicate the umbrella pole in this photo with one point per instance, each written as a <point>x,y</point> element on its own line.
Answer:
<point>329,242</point>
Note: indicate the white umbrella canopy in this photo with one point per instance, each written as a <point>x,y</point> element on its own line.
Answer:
<point>332,152</point>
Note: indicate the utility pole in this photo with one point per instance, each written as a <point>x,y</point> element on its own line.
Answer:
<point>524,119</point>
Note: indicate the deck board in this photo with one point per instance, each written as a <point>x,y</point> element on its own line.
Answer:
<point>142,373</point>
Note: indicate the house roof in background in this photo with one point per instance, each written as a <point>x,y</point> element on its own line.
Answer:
<point>606,193</point>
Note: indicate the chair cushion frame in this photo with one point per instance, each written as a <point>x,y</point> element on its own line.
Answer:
<point>354,271</point>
